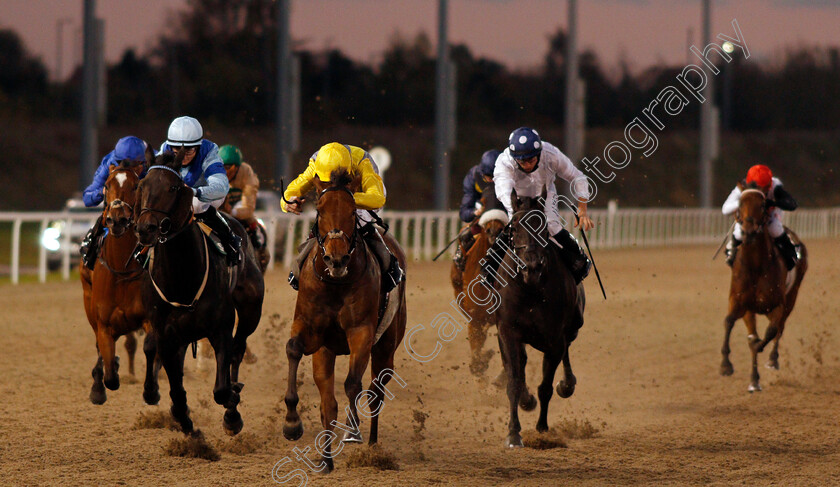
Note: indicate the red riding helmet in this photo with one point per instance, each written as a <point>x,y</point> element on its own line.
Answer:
<point>760,175</point>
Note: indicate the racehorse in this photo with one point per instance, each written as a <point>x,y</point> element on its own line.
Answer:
<point>760,284</point>
<point>338,313</point>
<point>491,222</point>
<point>111,291</point>
<point>191,292</point>
<point>541,306</point>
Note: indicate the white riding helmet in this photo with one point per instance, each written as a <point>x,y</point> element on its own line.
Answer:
<point>184,131</point>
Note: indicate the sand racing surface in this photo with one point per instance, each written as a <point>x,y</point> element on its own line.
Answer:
<point>650,406</point>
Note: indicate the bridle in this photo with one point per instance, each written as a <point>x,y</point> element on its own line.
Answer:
<point>165,224</point>
<point>335,233</point>
<point>763,219</point>
<point>531,246</point>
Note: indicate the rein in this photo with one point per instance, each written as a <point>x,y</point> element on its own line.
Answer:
<point>198,293</point>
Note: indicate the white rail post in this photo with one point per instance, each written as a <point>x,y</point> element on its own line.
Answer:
<point>16,250</point>
<point>42,255</point>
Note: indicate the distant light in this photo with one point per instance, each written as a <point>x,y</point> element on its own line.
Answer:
<point>728,47</point>
<point>50,244</point>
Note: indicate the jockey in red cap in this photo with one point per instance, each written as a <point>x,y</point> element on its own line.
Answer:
<point>760,177</point>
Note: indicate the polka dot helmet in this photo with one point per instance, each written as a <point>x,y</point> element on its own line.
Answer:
<point>524,143</point>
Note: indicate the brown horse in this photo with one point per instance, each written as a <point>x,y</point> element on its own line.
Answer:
<point>191,292</point>
<point>760,284</point>
<point>111,291</point>
<point>481,320</point>
<point>337,313</point>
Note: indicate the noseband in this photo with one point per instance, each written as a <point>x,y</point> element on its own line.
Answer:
<point>164,232</point>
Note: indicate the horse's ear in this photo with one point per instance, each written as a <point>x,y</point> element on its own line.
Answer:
<point>544,193</point>
<point>112,168</point>
<point>150,156</point>
<point>179,158</point>
<point>320,186</point>
<point>356,184</point>
<point>514,200</point>
<point>742,185</point>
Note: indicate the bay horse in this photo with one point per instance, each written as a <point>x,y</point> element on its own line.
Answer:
<point>111,291</point>
<point>191,292</point>
<point>541,306</point>
<point>492,222</point>
<point>337,313</point>
<point>760,284</point>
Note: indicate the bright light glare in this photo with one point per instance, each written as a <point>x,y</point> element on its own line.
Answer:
<point>50,244</point>
<point>52,233</point>
<point>728,47</point>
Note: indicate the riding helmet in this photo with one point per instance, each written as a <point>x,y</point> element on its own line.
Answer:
<point>230,155</point>
<point>488,162</point>
<point>331,157</point>
<point>760,175</point>
<point>524,143</point>
<point>184,132</point>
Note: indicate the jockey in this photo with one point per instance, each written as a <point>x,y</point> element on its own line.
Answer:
<point>530,165</point>
<point>203,171</point>
<point>127,149</point>
<point>244,184</point>
<point>475,182</point>
<point>370,198</point>
<point>760,177</point>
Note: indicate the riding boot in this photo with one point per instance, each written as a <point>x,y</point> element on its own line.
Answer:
<point>466,241</point>
<point>787,249</point>
<point>305,248</point>
<point>393,275</point>
<point>89,248</point>
<point>572,255</point>
<point>231,241</point>
<point>731,250</point>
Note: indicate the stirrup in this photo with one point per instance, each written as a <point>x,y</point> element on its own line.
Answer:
<point>393,276</point>
<point>580,269</point>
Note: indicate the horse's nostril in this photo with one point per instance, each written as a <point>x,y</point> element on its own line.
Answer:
<point>109,221</point>
<point>327,259</point>
<point>345,260</point>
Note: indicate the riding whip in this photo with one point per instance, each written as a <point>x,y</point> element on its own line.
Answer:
<point>597,274</point>
<point>445,248</point>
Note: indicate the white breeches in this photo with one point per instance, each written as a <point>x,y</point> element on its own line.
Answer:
<point>202,206</point>
<point>774,225</point>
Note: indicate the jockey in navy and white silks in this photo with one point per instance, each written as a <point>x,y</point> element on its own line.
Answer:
<point>202,170</point>
<point>760,177</point>
<point>530,165</point>
<point>477,180</point>
<point>129,149</point>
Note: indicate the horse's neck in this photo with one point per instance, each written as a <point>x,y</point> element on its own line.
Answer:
<point>759,253</point>
<point>117,250</point>
<point>180,261</point>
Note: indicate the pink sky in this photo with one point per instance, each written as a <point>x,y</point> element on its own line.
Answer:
<point>514,32</point>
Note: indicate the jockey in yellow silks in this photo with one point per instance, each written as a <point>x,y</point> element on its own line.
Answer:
<point>370,198</point>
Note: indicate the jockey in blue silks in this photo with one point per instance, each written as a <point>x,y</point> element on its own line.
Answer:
<point>130,149</point>
<point>202,169</point>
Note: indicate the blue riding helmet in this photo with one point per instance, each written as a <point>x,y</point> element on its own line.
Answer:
<point>524,143</point>
<point>488,162</point>
<point>130,148</point>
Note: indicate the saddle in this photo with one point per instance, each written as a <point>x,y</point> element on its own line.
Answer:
<point>212,238</point>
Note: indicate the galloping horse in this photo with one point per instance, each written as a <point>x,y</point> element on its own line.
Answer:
<point>111,291</point>
<point>192,293</point>
<point>337,313</point>
<point>492,222</point>
<point>541,307</point>
<point>760,284</point>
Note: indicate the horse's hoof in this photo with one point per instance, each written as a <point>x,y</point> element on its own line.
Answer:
<point>232,422</point>
<point>772,364</point>
<point>151,397</point>
<point>756,387</point>
<point>330,466</point>
<point>529,403</point>
<point>726,369</point>
<point>114,383</point>
<point>352,437</point>
<point>514,441</point>
<point>501,380</point>
<point>98,396</point>
<point>542,428</point>
<point>566,389</point>
<point>293,431</point>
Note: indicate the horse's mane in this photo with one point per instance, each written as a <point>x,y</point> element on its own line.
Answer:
<point>168,159</point>
<point>340,178</point>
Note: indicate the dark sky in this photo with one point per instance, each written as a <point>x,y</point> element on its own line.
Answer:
<point>515,32</point>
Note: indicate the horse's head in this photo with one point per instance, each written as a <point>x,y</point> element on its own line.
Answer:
<point>337,221</point>
<point>529,236</point>
<point>120,196</point>
<point>164,201</point>
<point>752,212</point>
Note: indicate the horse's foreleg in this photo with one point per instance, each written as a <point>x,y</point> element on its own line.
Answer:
<point>173,363</point>
<point>753,340</point>
<point>130,348</point>
<point>293,428</point>
<point>105,342</point>
<point>151,392</point>
<point>566,387</point>
<point>382,358</point>
<point>728,322</point>
<point>545,389</point>
<point>477,333</point>
<point>249,317</point>
<point>360,340</point>
<point>323,371</point>
<point>512,349</point>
